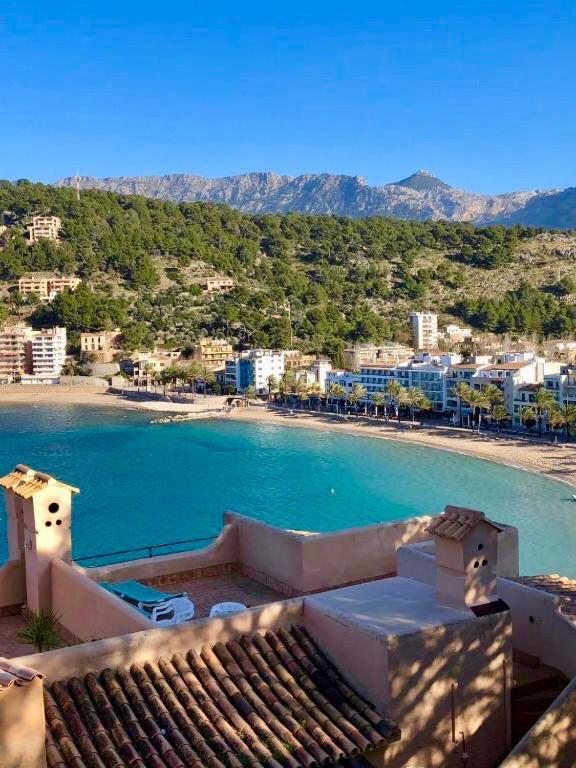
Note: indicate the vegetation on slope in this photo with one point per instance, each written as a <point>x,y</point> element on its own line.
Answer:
<point>341,280</point>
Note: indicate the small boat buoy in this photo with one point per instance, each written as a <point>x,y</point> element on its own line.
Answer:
<point>332,491</point>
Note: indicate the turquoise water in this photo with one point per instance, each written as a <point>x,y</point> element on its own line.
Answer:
<point>143,484</point>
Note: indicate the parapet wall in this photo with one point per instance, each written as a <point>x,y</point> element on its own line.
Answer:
<point>295,562</point>
<point>143,646</point>
<point>12,586</point>
<point>552,741</point>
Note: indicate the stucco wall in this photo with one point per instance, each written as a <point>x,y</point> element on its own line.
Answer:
<point>149,645</point>
<point>312,562</point>
<point>22,726</point>
<point>551,743</point>
<point>12,584</point>
<point>539,628</point>
<point>88,611</point>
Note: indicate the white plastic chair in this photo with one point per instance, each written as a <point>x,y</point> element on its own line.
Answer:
<point>223,609</point>
<point>183,609</point>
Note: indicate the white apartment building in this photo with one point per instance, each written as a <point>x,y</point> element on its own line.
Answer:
<point>44,228</point>
<point>252,368</point>
<point>48,352</point>
<point>424,327</point>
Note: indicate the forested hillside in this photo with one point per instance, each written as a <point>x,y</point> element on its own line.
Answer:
<point>343,279</point>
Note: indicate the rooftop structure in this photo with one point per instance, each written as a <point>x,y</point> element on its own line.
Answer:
<point>388,645</point>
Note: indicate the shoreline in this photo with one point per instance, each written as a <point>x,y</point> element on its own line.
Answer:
<point>555,461</point>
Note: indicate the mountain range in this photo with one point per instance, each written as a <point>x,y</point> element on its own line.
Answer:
<point>420,196</point>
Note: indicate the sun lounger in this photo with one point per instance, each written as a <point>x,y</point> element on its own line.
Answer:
<point>162,608</point>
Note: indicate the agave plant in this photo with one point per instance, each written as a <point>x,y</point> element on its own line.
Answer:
<point>40,631</point>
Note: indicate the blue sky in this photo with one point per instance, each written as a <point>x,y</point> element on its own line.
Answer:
<point>483,93</point>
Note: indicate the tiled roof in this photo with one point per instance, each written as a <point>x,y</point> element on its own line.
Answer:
<point>263,701</point>
<point>509,366</point>
<point>561,586</point>
<point>25,482</point>
<point>13,674</point>
<point>456,522</point>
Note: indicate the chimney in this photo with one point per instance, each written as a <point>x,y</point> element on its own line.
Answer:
<point>39,511</point>
<point>466,558</point>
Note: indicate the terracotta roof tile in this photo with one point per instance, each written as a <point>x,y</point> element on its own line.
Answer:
<point>456,522</point>
<point>272,701</point>
<point>25,482</point>
<point>14,674</point>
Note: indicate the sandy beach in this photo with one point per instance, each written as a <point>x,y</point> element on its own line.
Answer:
<point>557,461</point>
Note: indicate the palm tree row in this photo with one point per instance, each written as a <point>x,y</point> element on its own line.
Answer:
<point>182,375</point>
<point>487,400</point>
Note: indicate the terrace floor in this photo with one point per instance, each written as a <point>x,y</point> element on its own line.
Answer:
<point>10,646</point>
<point>235,588</point>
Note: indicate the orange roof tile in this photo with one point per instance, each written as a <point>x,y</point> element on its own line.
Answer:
<point>25,482</point>
<point>272,700</point>
<point>13,674</point>
<point>456,522</point>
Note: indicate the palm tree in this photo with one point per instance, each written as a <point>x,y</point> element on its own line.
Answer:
<point>478,402</point>
<point>358,393</point>
<point>165,378</point>
<point>493,394</point>
<point>272,384</point>
<point>397,394</point>
<point>500,415</point>
<point>338,393</point>
<point>556,421</point>
<point>191,375</point>
<point>566,417</point>
<point>302,392</point>
<point>315,391</point>
<point>544,402</point>
<point>413,397</point>
<point>249,392</point>
<point>528,417</point>
<point>378,401</point>
<point>40,630</point>
<point>460,391</point>
<point>424,405</point>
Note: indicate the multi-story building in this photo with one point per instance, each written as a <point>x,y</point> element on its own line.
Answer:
<point>46,285</point>
<point>424,327</point>
<point>147,365</point>
<point>99,345</point>
<point>44,228</point>
<point>562,384</point>
<point>454,334</point>
<point>427,376</point>
<point>295,359</point>
<point>48,352</point>
<point>509,375</point>
<point>212,353</point>
<point>384,352</point>
<point>253,368</point>
<point>15,352</point>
